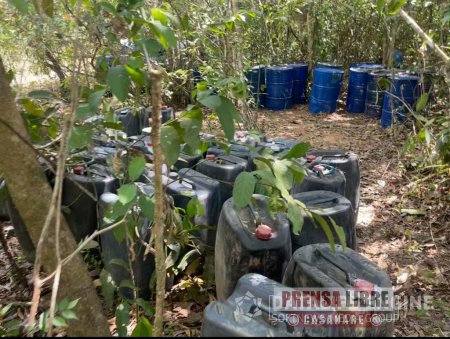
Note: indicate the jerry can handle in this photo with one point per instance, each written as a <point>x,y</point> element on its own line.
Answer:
<point>349,276</point>
<point>325,200</point>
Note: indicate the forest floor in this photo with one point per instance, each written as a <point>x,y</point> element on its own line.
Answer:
<point>403,225</point>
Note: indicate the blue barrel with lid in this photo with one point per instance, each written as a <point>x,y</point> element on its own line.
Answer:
<point>357,85</point>
<point>279,82</point>
<point>366,65</point>
<point>325,90</point>
<point>300,82</point>
<point>401,97</point>
<point>375,93</point>
<point>256,78</point>
<point>323,64</point>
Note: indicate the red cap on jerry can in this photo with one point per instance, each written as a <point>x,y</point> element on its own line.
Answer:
<point>263,232</point>
<point>363,285</point>
<point>78,170</point>
<point>318,168</point>
<point>310,158</point>
<point>210,157</point>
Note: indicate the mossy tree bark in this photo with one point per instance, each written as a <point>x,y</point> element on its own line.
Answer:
<point>31,195</point>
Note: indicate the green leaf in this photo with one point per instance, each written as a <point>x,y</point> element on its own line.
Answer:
<point>106,6</point>
<point>32,109</point>
<point>147,207</point>
<point>243,189</point>
<point>59,322</point>
<point>136,75</point>
<point>10,76</point>
<point>20,5</point>
<point>192,129</point>
<point>340,233</point>
<point>194,208</point>
<point>212,101</point>
<point>95,99</point>
<point>108,287</point>
<point>119,262</point>
<point>164,34</point>
<point>122,319</point>
<point>395,6</point>
<point>148,308</point>
<point>283,176</point>
<point>80,136</point>
<point>127,193</point>
<point>295,217</point>
<point>170,144</point>
<point>48,7</point>
<point>136,168</point>
<point>83,111</point>
<point>150,46</point>
<point>380,5</point>
<point>73,303</point>
<point>184,262</point>
<point>325,227</point>
<point>41,94</point>
<point>159,15</point>
<point>422,102</point>
<point>143,328</point>
<point>298,151</point>
<point>119,81</point>
<point>69,314</point>
<point>63,304</point>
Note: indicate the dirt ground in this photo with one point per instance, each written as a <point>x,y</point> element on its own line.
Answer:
<point>402,226</point>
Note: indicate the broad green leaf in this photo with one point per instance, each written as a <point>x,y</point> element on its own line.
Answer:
<point>380,5</point>
<point>119,81</point>
<point>422,102</point>
<point>119,262</point>
<point>159,15</point>
<point>31,108</point>
<point>20,5</point>
<point>108,287</point>
<point>298,151</point>
<point>243,189</point>
<point>127,193</point>
<point>340,233</point>
<point>143,328</point>
<point>147,207</point>
<point>148,308</point>
<point>83,112</point>
<point>136,168</point>
<point>212,101</point>
<point>184,262</point>
<point>395,6</point>
<point>10,76</point>
<point>227,108</point>
<point>192,129</point>
<point>164,34</point>
<point>136,75</point>
<point>59,322</point>
<point>95,99</point>
<point>194,208</point>
<point>295,217</point>
<point>63,304</point>
<point>41,94</point>
<point>283,176</point>
<point>170,144</point>
<point>69,314</point>
<point>106,6</point>
<point>73,304</point>
<point>80,136</point>
<point>122,319</point>
<point>326,228</point>
<point>266,176</point>
<point>150,46</point>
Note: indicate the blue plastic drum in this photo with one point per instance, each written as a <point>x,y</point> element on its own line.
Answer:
<point>325,90</point>
<point>279,82</point>
<point>300,83</point>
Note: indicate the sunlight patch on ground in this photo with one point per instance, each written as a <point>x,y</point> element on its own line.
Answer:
<point>366,215</point>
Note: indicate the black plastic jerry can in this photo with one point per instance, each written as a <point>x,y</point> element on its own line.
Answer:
<point>328,205</point>
<point>321,177</point>
<point>132,123</point>
<point>115,254</point>
<point>208,193</point>
<point>225,169</point>
<point>249,240</point>
<point>317,266</point>
<point>247,311</point>
<point>348,163</point>
<point>187,161</point>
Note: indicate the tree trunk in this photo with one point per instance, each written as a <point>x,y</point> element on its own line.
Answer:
<point>31,195</point>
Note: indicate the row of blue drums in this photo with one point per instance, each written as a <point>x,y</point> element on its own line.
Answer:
<point>280,87</point>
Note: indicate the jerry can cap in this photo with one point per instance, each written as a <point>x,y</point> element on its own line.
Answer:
<point>79,170</point>
<point>310,158</point>
<point>263,232</point>
<point>363,285</point>
<point>210,157</point>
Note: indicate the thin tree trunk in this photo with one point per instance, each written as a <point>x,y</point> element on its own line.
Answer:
<point>31,195</point>
<point>160,257</point>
